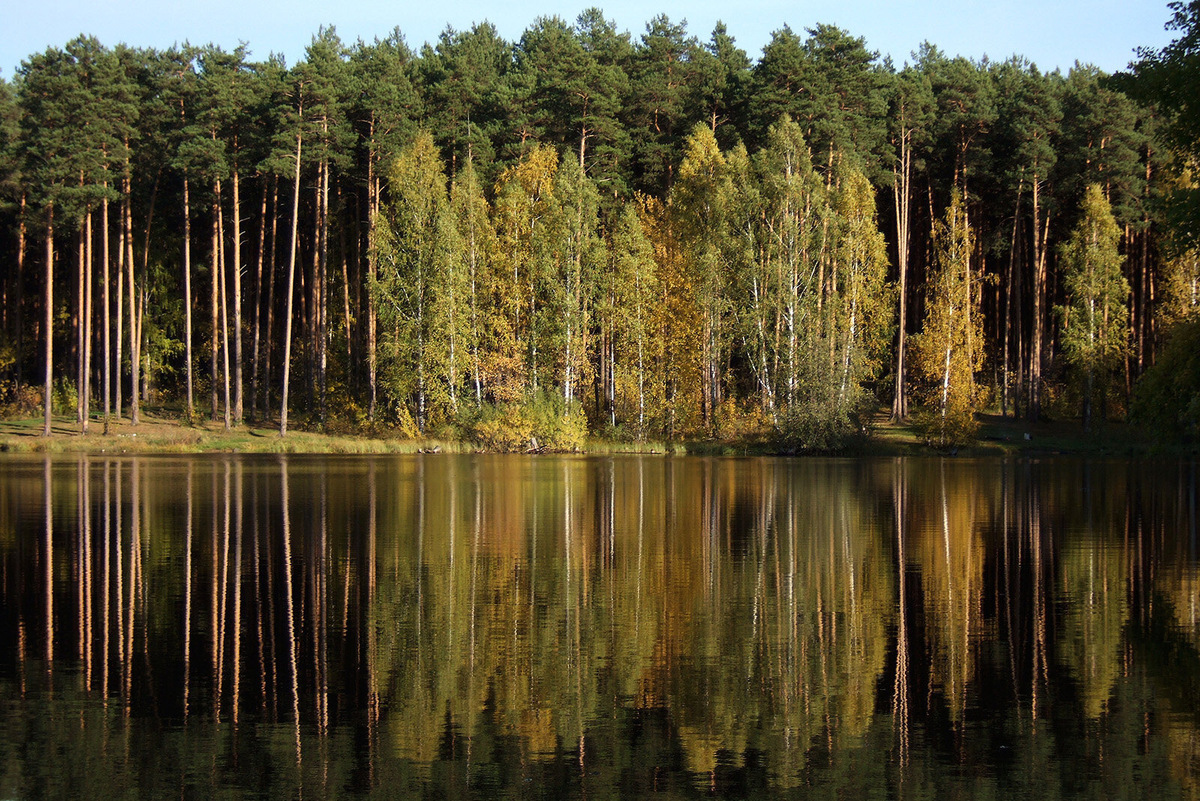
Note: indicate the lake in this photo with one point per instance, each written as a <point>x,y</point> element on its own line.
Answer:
<point>539,626</point>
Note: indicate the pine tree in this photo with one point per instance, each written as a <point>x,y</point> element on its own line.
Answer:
<point>658,112</point>
<point>385,108</point>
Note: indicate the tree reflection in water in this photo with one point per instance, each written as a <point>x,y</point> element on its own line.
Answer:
<point>445,625</point>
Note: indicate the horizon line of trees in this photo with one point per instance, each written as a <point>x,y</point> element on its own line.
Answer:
<point>651,237</point>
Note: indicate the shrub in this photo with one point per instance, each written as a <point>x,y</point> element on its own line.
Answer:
<point>1167,397</point>
<point>542,421</point>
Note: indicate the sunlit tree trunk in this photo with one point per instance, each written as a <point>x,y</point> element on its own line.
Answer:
<point>135,353</point>
<point>48,330</point>
<point>214,305</point>
<point>107,315</point>
<point>236,289</point>
<point>291,285</point>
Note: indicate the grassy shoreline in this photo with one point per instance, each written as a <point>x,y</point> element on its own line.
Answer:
<point>998,436</point>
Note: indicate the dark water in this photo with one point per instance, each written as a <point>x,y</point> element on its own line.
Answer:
<point>441,626</point>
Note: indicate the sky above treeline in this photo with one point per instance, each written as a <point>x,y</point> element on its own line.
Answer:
<point>1054,34</point>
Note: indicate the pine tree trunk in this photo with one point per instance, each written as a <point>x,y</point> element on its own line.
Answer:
<point>18,318</point>
<point>347,320</point>
<point>287,325</point>
<point>269,333</point>
<point>81,350</point>
<point>107,316</point>
<point>85,393</point>
<point>135,353</point>
<point>258,304</point>
<point>224,293</point>
<point>80,294</point>
<point>48,332</point>
<point>902,202</point>
<point>1039,291</point>
<point>143,355</point>
<point>1009,311</point>
<point>323,296</point>
<point>214,307</point>
<point>189,409</point>
<point>238,387</point>
<point>372,319</point>
<point>119,323</point>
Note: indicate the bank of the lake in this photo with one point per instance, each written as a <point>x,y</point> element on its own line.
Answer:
<point>157,433</point>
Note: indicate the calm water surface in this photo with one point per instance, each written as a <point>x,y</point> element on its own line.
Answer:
<point>487,626</point>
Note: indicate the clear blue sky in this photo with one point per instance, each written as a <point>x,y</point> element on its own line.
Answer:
<point>1052,33</point>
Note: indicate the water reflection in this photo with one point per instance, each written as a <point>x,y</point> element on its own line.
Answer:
<point>458,626</point>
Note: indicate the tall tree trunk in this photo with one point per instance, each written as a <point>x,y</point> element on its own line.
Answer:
<point>238,401</point>
<point>214,307</point>
<point>346,319</point>
<point>1011,300</point>
<point>18,318</point>
<point>372,319</point>
<point>48,332</point>
<point>323,295</point>
<point>107,316</point>
<point>189,409</point>
<point>85,393</point>
<point>258,303</point>
<point>142,378</point>
<point>135,339</point>
<point>1039,292</point>
<point>83,329</point>
<point>903,197</point>
<point>268,335</point>
<point>287,325</point>
<point>119,323</point>
<point>224,287</point>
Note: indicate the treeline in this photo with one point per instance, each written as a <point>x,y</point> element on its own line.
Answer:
<point>580,231</point>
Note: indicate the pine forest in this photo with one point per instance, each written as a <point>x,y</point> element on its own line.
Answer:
<point>587,233</point>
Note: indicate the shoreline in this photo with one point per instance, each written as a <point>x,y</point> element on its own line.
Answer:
<point>998,436</point>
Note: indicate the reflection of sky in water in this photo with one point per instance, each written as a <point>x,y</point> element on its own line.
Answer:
<point>488,624</point>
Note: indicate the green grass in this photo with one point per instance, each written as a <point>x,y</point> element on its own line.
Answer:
<point>160,433</point>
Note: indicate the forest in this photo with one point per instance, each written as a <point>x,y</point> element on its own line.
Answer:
<point>586,233</point>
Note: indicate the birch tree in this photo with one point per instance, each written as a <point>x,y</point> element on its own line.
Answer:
<point>1095,319</point>
<point>948,351</point>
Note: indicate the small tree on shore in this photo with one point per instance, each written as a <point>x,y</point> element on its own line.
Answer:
<point>949,349</point>
<point>1095,320</point>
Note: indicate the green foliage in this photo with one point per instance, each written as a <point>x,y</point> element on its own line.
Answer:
<point>419,290</point>
<point>64,396</point>
<point>1169,79</point>
<point>507,253</point>
<point>540,422</point>
<point>1095,321</point>
<point>949,350</point>
<point>1181,286</point>
<point>814,428</point>
<point>1167,397</point>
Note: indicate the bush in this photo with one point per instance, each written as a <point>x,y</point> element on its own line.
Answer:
<point>539,422</point>
<point>1167,397</point>
<point>64,398</point>
<point>810,427</point>
<point>504,428</point>
<point>957,427</point>
<point>20,400</point>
